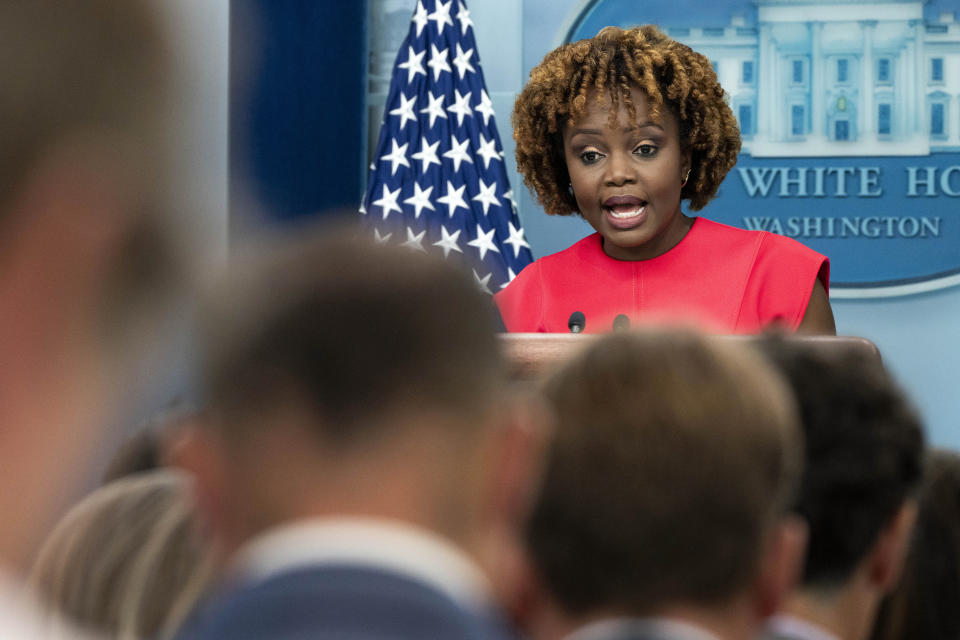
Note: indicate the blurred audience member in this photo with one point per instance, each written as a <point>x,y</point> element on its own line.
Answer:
<point>864,458</point>
<point>84,245</point>
<point>925,603</point>
<point>663,507</point>
<point>361,451</point>
<point>149,446</point>
<point>128,560</point>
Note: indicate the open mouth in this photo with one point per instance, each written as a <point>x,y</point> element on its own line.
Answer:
<point>623,213</point>
<point>624,207</point>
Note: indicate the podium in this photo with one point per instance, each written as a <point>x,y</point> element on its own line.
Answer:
<point>532,355</point>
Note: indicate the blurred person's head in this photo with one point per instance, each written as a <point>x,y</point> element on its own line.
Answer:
<point>864,459</point>
<point>347,379</point>
<point>128,560</point>
<point>85,237</point>
<point>85,154</point>
<point>666,487</point>
<point>924,603</point>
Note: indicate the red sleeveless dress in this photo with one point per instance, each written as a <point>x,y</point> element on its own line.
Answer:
<point>718,278</point>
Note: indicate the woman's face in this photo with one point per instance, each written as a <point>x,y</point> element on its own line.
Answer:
<point>627,178</point>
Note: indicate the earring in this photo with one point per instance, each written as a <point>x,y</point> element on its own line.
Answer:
<point>570,188</point>
<point>683,182</point>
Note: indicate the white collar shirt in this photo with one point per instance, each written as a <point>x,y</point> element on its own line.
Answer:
<point>372,543</point>
<point>791,626</point>
<point>630,627</point>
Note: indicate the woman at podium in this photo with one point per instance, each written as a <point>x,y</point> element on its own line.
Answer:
<point>620,129</point>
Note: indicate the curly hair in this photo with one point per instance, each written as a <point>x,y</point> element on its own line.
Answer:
<point>609,64</point>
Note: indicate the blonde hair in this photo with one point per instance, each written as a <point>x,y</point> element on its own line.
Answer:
<point>127,560</point>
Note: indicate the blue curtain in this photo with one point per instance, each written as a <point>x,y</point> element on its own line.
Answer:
<point>297,121</point>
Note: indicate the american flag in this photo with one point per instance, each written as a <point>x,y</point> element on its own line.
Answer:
<point>438,180</point>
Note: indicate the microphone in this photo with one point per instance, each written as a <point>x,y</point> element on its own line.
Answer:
<point>577,322</point>
<point>621,323</point>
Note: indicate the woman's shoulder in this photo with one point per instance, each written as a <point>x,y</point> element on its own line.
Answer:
<point>713,231</point>
<point>775,274</point>
<point>767,244</point>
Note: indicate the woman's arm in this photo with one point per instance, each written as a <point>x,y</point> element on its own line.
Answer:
<point>818,318</point>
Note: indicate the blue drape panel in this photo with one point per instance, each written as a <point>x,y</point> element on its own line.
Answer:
<point>297,84</point>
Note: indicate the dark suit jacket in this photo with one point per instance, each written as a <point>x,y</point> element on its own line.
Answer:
<point>343,603</point>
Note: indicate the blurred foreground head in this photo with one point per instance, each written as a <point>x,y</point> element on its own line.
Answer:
<point>864,460</point>
<point>85,237</point>
<point>924,603</point>
<point>666,486</point>
<point>84,145</point>
<point>348,379</point>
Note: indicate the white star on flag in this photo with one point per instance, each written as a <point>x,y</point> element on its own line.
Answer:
<point>379,239</point>
<point>415,241</point>
<point>427,154</point>
<point>461,106</point>
<point>458,152</point>
<point>464,17</point>
<point>442,15</point>
<point>487,196</point>
<point>421,199</point>
<point>488,151</point>
<point>397,156</point>
<point>484,282</point>
<point>438,61</point>
<point>462,61</point>
<point>454,198</point>
<point>508,194</point>
<point>413,64</point>
<point>420,18</point>
<point>516,239</point>
<point>449,241</point>
<point>388,201</point>
<point>440,127</point>
<point>435,108</point>
<point>484,242</point>
<point>405,110</point>
<point>485,107</point>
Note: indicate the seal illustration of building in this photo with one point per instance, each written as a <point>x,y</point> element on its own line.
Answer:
<point>824,78</point>
<point>839,78</point>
